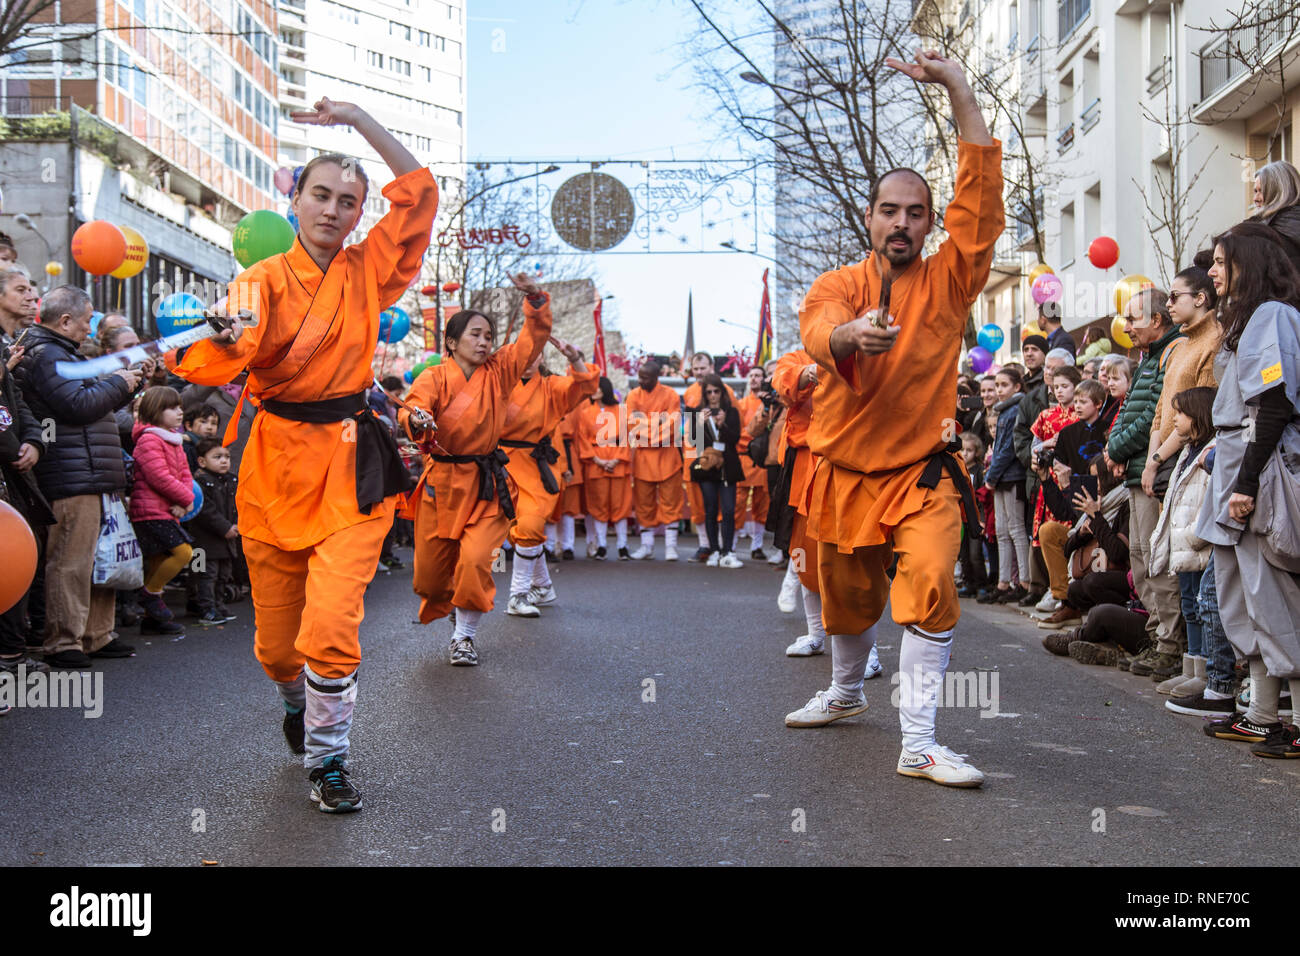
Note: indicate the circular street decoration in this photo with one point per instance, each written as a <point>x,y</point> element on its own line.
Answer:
<point>593,212</point>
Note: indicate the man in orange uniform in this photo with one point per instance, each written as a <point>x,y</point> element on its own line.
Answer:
<point>887,483</point>
<point>319,476</point>
<point>573,491</point>
<point>654,428</point>
<point>751,492</point>
<point>537,406</point>
<point>693,397</point>
<point>607,463</point>
<point>462,506</point>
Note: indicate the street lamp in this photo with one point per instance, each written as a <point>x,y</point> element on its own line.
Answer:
<point>751,252</point>
<point>25,220</point>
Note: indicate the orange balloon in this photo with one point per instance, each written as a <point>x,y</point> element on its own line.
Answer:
<point>98,247</point>
<point>17,556</point>
<point>137,255</point>
<point>1030,329</point>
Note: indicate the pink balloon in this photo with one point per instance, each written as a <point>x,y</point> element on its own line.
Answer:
<point>1047,288</point>
<point>284,180</point>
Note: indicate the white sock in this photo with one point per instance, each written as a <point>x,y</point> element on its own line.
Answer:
<point>812,609</point>
<point>566,532</point>
<point>791,578</point>
<point>922,664</point>
<point>620,532</point>
<point>602,533</point>
<point>670,536</point>
<point>466,624</point>
<point>550,536</point>
<point>521,578</point>
<point>541,573</point>
<point>328,721</point>
<point>700,533</point>
<point>849,653</point>
<point>648,540</point>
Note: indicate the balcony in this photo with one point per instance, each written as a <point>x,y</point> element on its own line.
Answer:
<point>1065,139</point>
<point>1159,78</point>
<point>1031,51</point>
<point>1070,13</point>
<point>1090,116</point>
<point>27,106</point>
<point>1272,25</point>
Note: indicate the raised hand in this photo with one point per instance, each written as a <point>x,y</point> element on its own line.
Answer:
<point>930,67</point>
<point>567,349</point>
<point>326,112</point>
<point>525,284</point>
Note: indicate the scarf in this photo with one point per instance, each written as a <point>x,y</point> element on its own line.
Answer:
<point>1110,505</point>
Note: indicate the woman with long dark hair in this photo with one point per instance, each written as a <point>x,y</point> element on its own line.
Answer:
<point>718,469</point>
<point>1257,454</point>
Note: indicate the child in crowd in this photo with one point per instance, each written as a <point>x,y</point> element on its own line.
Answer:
<point>1006,479</point>
<point>161,495</point>
<point>216,533</point>
<point>974,576</point>
<point>1046,429</point>
<point>200,422</point>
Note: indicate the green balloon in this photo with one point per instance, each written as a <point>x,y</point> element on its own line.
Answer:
<point>435,360</point>
<point>260,235</point>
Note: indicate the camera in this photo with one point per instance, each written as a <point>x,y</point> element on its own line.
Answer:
<point>969,403</point>
<point>1044,458</point>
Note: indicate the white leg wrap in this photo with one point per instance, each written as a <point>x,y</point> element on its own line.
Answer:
<point>466,624</point>
<point>849,653</point>
<point>620,532</point>
<point>293,693</point>
<point>648,540</point>
<point>566,532</point>
<point>812,609</point>
<point>521,579</point>
<point>922,664</point>
<point>670,535</point>
<point>602,534</point>
<point>328,721</point>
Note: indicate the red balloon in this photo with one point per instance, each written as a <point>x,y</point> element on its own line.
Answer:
<point>99,247</point>
<point>1103,252</point>
<point>17,556</point>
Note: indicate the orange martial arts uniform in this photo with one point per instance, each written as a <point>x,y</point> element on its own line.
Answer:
<point>535,411</point>
<point>693,397</point>
<point>751,491</point>
<point>609,493</point>
<point>797,459</point>
<point>880,419</point>
<point>460,506</point>
<point>572,499</point>
<point>311,549</point>
<point>653,425</point>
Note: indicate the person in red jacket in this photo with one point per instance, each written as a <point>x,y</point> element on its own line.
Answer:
<point>162,493</point>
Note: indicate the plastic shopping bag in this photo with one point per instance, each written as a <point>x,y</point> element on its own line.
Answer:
<point>118,562</point>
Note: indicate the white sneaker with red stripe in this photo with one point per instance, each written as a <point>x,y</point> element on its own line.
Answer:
<point>940,765</point>
<point>824,709</point>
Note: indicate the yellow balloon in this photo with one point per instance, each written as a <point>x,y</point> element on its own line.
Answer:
<point>1042,269</point>
<point>137,255</point>
<point>53,268</point>
<point>1117,332</point>
<point>1030,329</point>
<point>1126,288</point>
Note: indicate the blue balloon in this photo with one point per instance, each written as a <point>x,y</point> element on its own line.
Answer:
<point>178,312</point>
<point>94,321</point>
<point>991,337</point>
<point>198,503</point>
<point>407,377</point>
<point>394,325</point>
<point>293,220</point>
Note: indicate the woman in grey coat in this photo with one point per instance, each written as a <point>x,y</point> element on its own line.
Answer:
<point>1255,414</point>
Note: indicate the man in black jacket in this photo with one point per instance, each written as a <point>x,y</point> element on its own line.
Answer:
<point>83,461</point>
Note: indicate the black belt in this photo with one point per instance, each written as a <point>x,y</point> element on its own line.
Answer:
<point>380,472</point>
<point>492,476</point>
<point>545,454</point>
<point>942,461</point>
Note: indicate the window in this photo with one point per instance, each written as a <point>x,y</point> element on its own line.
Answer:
<point>141,88</point>
<point>375,58</point>
<point>1067,234</point>
<point>399,30</point>
<point>352,52</point>
<point>426,74</point>
<point>424,38</point>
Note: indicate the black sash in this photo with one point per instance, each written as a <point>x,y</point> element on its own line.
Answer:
<point>942,461</point>
<point>491,476</point>
<point>380,472</point>
<point>545,454</point>
<point>781,510</point>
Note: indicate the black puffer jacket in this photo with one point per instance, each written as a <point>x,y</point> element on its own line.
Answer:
<point>85,457</point>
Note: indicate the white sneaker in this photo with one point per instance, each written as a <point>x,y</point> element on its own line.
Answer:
<point>713,559</point>
<point>670,554</point>
<point>463,654</point>
<point>729,560</point>
<point>519,607</point>
<point>541,597</point>
<point>785,601</point>
<point>591,547</point>
<point>805,646</point>
<point>940,765</point>
<point>873,665</point>
<point>1048,604</point>
<point>776,558</point>
<point>822,710</point>
<point>641,553</point>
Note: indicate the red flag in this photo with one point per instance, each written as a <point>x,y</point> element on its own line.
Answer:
<point>598,350</point>
<point>763,354</point>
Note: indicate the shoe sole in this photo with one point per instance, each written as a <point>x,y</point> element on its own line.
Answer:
<point>959,784</point>
<point>521,614</point>
<point>830,719</point>
<point>810,653</point>
<point>1060,625</point>
<point>1275,756</point>
<point>1244,738</point>
<point>341,808</point>
<point>464,663</point>
<point>1193,712</point>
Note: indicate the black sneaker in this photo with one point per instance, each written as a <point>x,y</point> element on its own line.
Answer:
<point>1144,653</point>
<point>225,614</point>
<point>115,648</point>
<point>601,553</point>
<point>211,618</point>
<point>392,562</point>
<point>331,790</point>
<point>1015,595</point>
<point>623,555</point>
<point>295,731</point>
<point>10,665</point>
<point>1239,728</point>
<point>1284,744</point>
<point>1198,705</point>
<point>758,554</point>
<point>68,660</point>
<point>568,554</point>
<point>463,654</point>
<point>1031,598</point>
<point>701,555</point>
<point>551,556</point>
<point>170,628</point>
<point>987,596</point>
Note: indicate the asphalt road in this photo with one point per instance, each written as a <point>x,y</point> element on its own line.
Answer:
<point>550,753</point>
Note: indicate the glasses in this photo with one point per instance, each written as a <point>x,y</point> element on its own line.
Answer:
<point>1173,296</point>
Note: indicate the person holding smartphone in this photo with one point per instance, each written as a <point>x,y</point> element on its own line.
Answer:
<point>718,469</point>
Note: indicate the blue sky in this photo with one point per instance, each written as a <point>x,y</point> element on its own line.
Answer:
<point>604,79</point>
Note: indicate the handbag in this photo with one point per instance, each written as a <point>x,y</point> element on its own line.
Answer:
<point>118,562</point>
<point>1277,511</point>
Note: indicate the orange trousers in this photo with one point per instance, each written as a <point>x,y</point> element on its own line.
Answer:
<point>570,501</point>
<point>308,604</point>
<point>804,554</point>
<point>533,509</point>
<point>609,498</point>
<point>695,498</point>
<point>456,573</point>
<point>751,498</point>
<point>658,502</point>
<point>855,587</point>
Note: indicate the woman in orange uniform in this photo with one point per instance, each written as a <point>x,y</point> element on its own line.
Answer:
<point>462,507</point>
<point>573,490</point>
<point>319,477</point>
<point>751,492</point>
<point>654,420</point>
<point>607,467</point>
<point>537,406</point>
